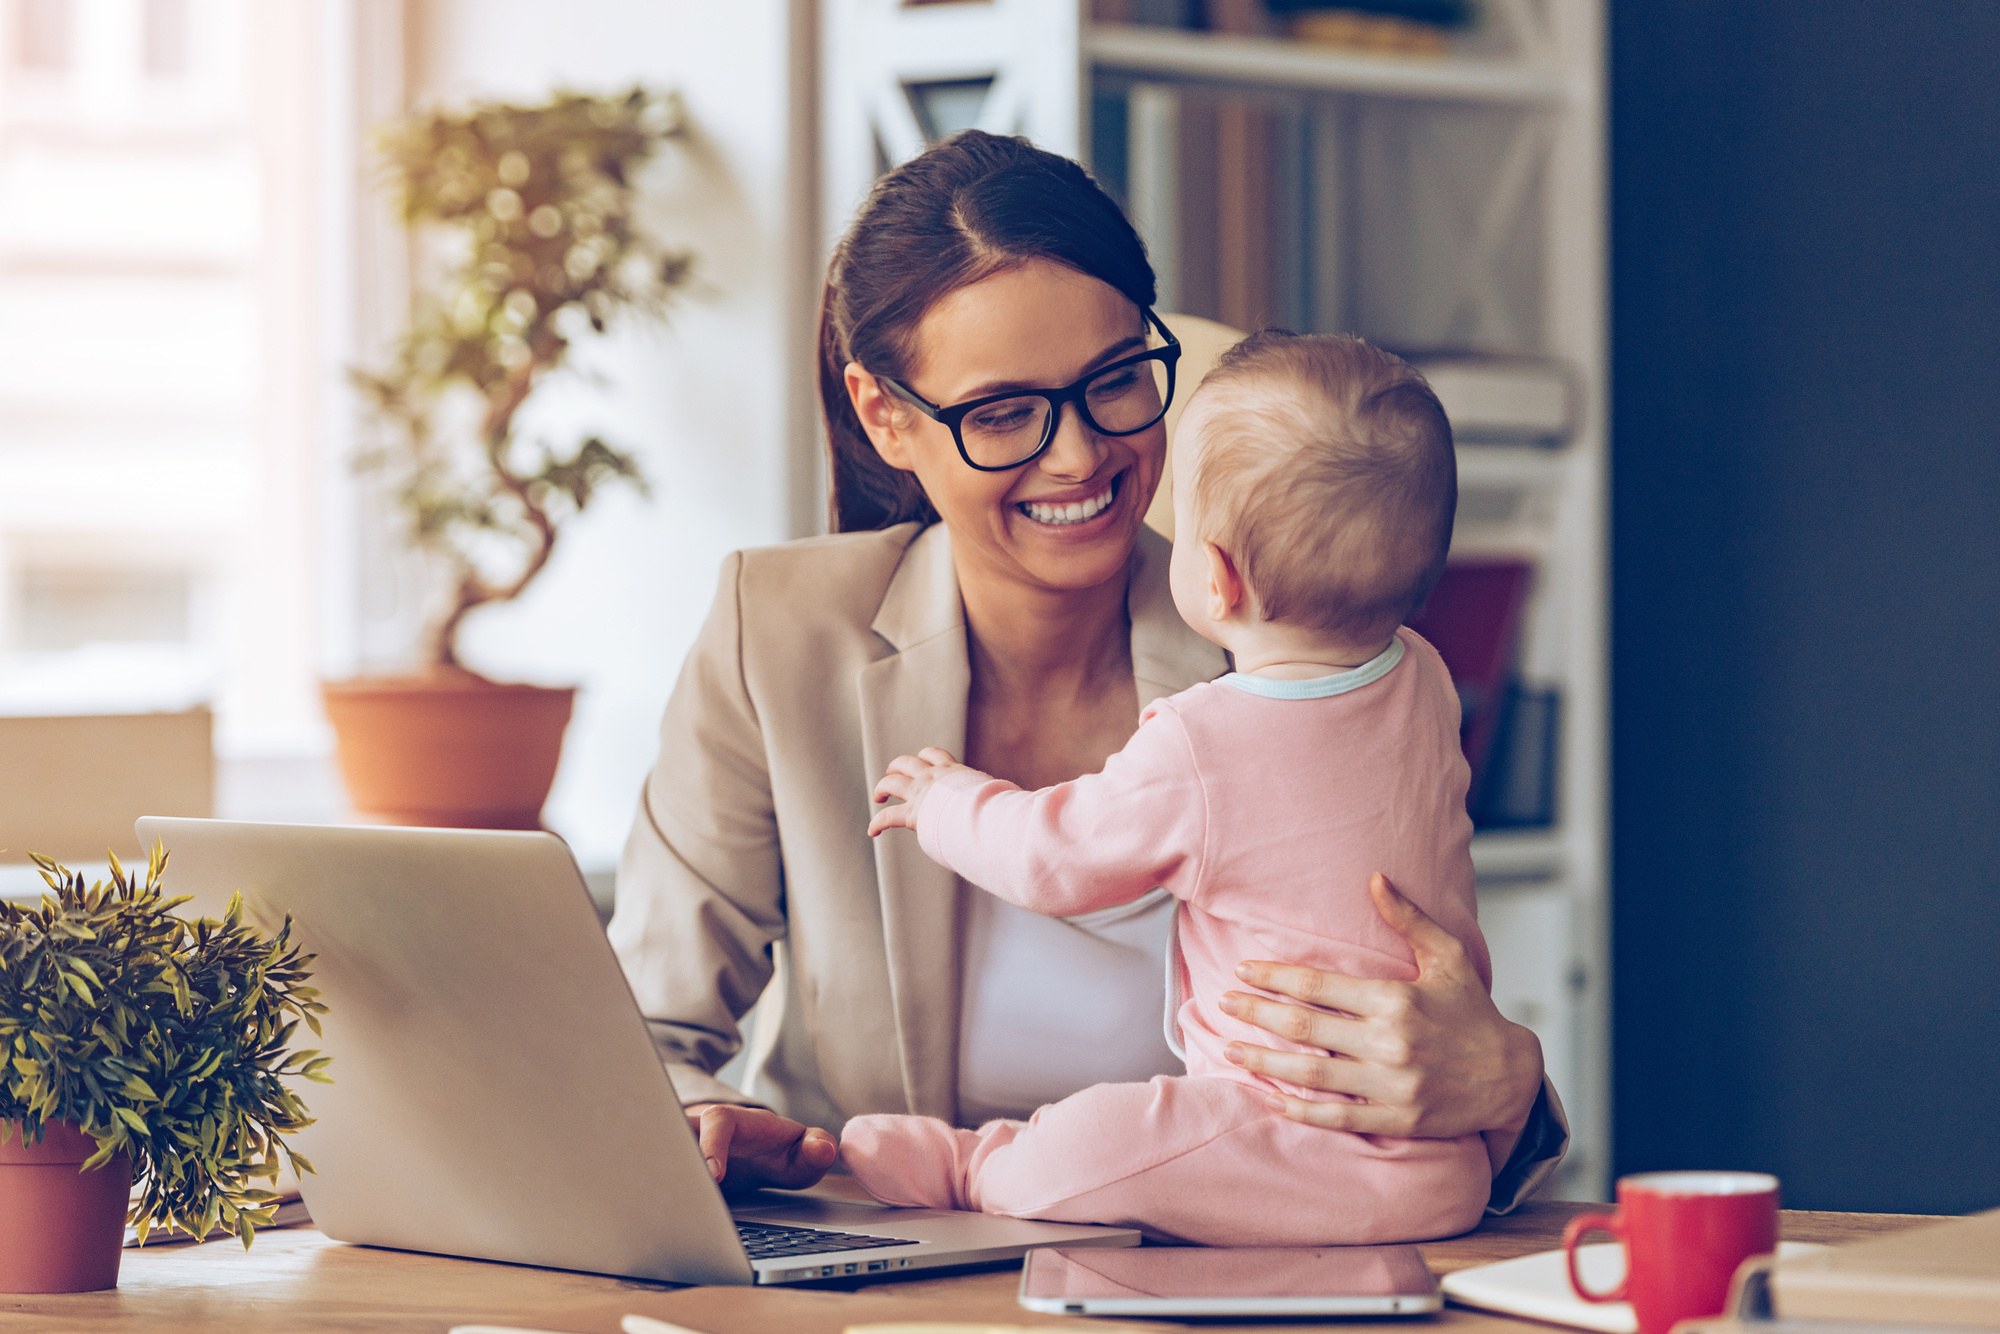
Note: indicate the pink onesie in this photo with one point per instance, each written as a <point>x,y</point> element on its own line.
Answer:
<point>1263,806</point>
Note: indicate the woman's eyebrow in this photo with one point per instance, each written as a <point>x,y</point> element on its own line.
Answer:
<point>1123,347</point>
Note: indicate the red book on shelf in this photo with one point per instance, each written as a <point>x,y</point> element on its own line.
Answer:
<point>1472,620</point>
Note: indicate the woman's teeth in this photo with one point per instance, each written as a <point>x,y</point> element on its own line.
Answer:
<point>1076,513</point>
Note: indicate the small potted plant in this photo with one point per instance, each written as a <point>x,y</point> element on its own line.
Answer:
<point>537,209</point>
<point>140,1048</point>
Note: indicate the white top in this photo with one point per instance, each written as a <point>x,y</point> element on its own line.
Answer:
<point>1053,1005</point>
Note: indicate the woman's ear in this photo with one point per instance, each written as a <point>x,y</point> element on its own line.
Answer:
<point>1226,592</point>
<point>880,416</point>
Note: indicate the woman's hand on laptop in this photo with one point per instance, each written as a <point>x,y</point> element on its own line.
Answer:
<point>1431,1059</point>
<point>747,1147</point>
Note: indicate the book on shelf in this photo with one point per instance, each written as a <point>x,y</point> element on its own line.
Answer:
<point>1518,788</point>
<point>1473,619</point>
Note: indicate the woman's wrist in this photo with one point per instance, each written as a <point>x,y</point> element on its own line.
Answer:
<point>1524,1073</point>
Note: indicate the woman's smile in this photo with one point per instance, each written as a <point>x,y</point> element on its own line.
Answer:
<point>1062,511</point>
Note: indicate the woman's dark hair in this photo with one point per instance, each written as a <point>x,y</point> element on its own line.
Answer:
<point>962,211</point>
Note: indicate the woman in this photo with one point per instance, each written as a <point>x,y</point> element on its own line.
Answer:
<point>1015,611</point>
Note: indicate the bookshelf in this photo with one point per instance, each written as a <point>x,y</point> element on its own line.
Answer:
<point>1453,202</point>
<point>1269,62</point>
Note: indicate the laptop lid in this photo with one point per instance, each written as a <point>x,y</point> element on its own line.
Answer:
<point>495,1092</point>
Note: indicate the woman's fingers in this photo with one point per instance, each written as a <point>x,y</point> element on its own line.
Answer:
<point>934,755</point>
<point>1359,1117</point>
<point>1436,948</point>
<point>1328,1074</point>
<point>893,785</point>
<point>716,1128</point>
<point>1341,1033</point>
<point>749,1146</point>
<point>811,1156</point>
<point>1329,991</point>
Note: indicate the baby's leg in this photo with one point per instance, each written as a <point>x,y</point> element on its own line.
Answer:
<point>1189,1159</point>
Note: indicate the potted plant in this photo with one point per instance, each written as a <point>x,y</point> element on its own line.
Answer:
<point>538,208</point>
<point>140,1047</point>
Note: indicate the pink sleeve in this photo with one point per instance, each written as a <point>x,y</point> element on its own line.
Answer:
<point>1099,841</point>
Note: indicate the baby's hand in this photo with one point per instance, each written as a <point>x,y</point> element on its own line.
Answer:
<point>909,777</point>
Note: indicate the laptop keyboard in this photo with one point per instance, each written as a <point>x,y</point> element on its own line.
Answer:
<point>768,1241</point>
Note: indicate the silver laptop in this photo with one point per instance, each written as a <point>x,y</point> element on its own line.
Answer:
<point>496,1093</point>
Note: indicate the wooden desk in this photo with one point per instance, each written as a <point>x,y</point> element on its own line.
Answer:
<point>298,1281</point>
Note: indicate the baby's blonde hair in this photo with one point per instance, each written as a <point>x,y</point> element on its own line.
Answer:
<point>1327,474</point>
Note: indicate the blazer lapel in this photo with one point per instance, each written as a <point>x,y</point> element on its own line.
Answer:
<point>912,699</point>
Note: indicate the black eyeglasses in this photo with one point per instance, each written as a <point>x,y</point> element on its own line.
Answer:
<point>1004,431</point>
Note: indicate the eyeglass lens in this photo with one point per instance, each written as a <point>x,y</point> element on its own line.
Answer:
<point>1119,400</point>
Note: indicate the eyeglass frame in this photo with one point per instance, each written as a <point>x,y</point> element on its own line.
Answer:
<point>951,417</point>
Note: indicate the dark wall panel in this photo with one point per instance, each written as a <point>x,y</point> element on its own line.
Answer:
<point>1806,595</point>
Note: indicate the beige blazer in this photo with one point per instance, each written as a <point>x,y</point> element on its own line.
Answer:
<point>749,862</point>
<point>823,660</point>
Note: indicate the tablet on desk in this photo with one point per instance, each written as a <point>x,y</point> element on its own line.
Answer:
<point>1199,1281</point>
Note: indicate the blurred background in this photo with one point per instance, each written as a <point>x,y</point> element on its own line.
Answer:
<point>1712,292</point>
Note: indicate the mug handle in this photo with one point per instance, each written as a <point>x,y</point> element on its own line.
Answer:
<point>1578,1228</point>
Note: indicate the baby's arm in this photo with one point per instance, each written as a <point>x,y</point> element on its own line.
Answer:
<point>1098,841</point>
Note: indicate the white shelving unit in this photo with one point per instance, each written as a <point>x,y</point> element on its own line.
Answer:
<point>1447,202</point>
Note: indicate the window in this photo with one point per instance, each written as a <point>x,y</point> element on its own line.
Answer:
<point>165,39</point>
<point>40,34</point>
<point>142,349</point>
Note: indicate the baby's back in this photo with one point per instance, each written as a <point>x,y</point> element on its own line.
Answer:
<point>1307,798</point>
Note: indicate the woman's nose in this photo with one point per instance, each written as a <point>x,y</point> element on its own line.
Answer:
<point>1075,452</point>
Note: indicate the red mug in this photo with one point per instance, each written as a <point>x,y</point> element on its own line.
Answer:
<point>1684,1233</point>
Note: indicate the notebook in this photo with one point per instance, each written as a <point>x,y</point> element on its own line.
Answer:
<point>1537,1286</point>
<point>1947,1274</point>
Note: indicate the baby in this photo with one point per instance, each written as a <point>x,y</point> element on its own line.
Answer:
<point>1312,511</point>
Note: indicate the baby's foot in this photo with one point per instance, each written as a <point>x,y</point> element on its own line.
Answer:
<point>910,1161</point>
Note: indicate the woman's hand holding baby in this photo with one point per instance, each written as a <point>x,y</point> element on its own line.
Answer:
<point>1433,1058</point>
<point>908,779</point>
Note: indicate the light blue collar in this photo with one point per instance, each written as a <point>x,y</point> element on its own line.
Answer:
<point>1320,687</point>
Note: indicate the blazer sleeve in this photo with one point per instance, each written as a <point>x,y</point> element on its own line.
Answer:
<point>701,885</point>
<point>1536,1155</point>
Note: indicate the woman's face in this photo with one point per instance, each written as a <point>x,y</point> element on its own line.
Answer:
<point>1039,326</point>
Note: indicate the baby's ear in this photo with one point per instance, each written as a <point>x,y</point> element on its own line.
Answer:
<point>1226,592</point>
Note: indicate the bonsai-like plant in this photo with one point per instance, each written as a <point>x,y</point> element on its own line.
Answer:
<point>540,205</point>
<point>162,1038</point>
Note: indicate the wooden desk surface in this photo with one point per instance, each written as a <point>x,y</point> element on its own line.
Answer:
<point>297,1280</point>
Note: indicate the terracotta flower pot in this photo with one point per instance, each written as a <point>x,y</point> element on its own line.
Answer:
<point>449,748</point>
<point>61,1230</point>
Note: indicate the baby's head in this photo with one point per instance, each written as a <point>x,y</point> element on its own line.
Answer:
<point>1321,470</point>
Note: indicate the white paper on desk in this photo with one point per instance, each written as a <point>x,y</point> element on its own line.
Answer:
<point>1537,1286</point>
